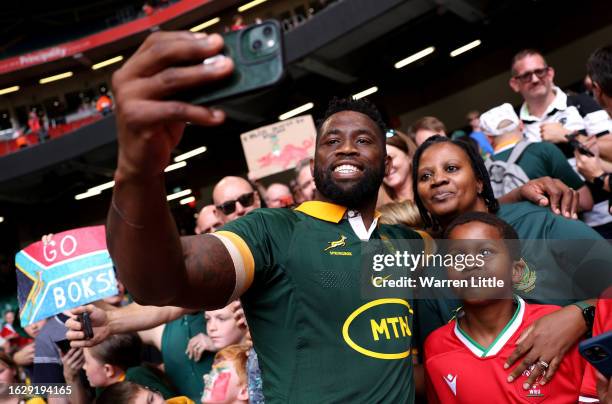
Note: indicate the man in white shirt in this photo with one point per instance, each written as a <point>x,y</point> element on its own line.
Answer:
<point>548,114</point>
<point>545,112</point>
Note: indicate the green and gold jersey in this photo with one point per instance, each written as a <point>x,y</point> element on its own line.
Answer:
<point>543,159</point>
<point>317,338</point>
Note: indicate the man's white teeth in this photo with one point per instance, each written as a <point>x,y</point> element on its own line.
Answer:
<point>345,169</point>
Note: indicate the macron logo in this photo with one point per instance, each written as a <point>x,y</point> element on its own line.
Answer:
<point>452,383</point>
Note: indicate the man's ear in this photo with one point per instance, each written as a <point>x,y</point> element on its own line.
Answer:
<point>603,100</point>
<point>243,394</point>
<point>518,267</point>
<point>514,85</point>
<point>551,72</point>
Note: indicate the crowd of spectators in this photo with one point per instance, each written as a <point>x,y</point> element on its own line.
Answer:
<point>243,321</point>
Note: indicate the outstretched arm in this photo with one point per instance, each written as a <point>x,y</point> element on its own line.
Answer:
<point>156,266</point>
<point>130,318</point>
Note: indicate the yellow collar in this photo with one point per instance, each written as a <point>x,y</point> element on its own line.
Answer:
<point>505,145</point>
<point>329,212</point>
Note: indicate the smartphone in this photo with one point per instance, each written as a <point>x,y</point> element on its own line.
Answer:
<point>84,319</point>
<point>578,146</point>
<point>63,345</point>
<point>598,351</point>
<point>257,52</point>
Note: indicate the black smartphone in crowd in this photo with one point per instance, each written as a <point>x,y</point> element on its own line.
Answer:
<point>571,138</point>
<point>598,351</point>
<point>63,345</point>
<point>84,319</point>
<point>257,53</point>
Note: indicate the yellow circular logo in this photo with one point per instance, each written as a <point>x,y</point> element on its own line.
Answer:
<point>384,328</point>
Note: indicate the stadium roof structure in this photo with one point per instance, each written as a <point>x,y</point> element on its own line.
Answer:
<point>347,47</point>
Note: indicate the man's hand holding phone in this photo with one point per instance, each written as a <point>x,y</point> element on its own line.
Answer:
<point>87,326</point>
<point>149,122</point>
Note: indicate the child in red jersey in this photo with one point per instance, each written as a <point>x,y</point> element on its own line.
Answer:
<point>464,360</point>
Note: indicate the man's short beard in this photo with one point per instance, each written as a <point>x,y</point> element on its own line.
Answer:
<point>360,193</point>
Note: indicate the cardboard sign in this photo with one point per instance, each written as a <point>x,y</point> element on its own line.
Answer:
<point>73,269</point>
<point>280,146</point>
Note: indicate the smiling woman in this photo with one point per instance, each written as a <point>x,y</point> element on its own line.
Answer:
<point>397,182</point>
<point>450,180</point>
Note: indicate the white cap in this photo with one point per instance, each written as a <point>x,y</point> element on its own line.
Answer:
<point>490,120</point>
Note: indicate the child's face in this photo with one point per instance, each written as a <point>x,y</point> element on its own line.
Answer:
<point>34,329</point>
<point>222,328</point>
<point>484,240</point>
<point>222,385</point>
<point>96,371</point>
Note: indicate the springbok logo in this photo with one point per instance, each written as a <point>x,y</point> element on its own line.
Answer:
<point>337,243</point>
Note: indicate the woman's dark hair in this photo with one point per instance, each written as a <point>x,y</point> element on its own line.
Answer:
<point>478,167</point>
<point>506,231</point>
<point>121,350</point>
<point>119,393</point>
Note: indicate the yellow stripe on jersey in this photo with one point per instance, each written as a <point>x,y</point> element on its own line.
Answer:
<point>244,263</point>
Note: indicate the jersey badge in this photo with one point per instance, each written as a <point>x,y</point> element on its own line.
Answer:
<point>341,242</point>
<point>451,381</point>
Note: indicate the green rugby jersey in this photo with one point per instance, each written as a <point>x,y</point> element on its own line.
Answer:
<point>544,159</point>
<point>318,340</point>
<point>185,374</point>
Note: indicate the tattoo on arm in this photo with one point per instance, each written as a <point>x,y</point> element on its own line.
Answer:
<point>210,272</point>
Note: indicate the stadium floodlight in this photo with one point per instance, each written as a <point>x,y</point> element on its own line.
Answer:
<point>107,62</point>
<point>175,166</point>
<point>179,194</point>
<point>465,48</point>
<point>55,78</point>
<point>413,58</point>
<point>9,90</point>
<point>296,111</point>
<point>102,187</point>
<point>1,219</point>
<point>365,93</point>
<point>190,154</point>
<point>87,194</point>
<point>205,25</point>
<point>250,5</point>
<point>187,200</point>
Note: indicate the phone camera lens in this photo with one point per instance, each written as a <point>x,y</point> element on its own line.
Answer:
<point>256,45</point>
<point>267,31</point>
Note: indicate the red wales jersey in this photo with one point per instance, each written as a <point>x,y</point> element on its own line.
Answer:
<point>459,370</point>
<point>602,323</point>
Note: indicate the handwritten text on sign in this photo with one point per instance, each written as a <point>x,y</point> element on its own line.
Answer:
<point>72,269</point>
